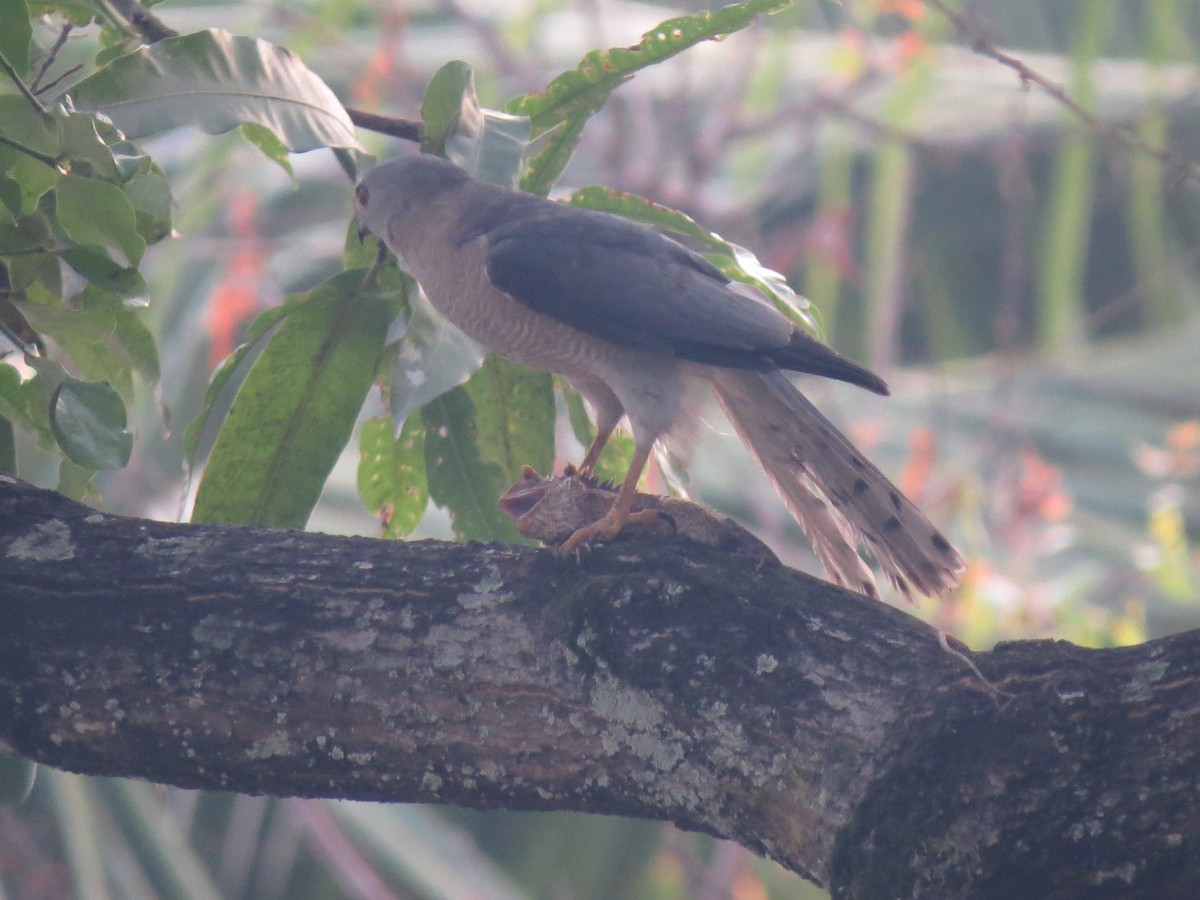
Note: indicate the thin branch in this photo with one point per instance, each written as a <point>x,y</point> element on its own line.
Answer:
<point>1185,169</point>
<point>405,129</point>
<point>29,151</point>
<point>12,73</point>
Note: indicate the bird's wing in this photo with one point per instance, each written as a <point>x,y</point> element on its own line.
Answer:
<point>629,284</point>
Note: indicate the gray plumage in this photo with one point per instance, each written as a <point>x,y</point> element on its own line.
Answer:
<point>636,321</point>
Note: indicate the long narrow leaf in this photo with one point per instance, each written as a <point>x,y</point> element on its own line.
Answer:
<point>297,407</point>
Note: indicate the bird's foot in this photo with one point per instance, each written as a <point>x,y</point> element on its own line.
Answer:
<point>605,529</point>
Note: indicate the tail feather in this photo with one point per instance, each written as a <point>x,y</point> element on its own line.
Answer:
<point>835,493</point>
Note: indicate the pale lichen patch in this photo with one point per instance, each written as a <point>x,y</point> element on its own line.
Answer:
<point>48,542</point>
<point>350,640</point>
<point>276,744</point>
<point>765,664</point>
<point>218,633</point>
<point>485,593</point>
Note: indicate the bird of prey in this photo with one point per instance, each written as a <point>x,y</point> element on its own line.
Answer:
<point>637,322</point>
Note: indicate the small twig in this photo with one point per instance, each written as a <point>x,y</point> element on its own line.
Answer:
<point>405,129</point>
<point>1186,169</point>
<point>59,43</point>
<point>67,74</point>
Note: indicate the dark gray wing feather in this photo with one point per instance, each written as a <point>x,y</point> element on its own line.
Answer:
<point>631,285</point>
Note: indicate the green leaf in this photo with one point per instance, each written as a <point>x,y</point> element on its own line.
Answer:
<point>102,334</point>
<point>738,263</point>
<point>442,105</point>
<point>216,81</point>
<point>8,446</point>
<point>99,268</point>
<point>13,401</point>
<point>575,96</point>
<point>297,407</point>
<point>29,233</point>
<point>77,482</point>
<point>149,194</point>
<point>514,416</point>
<point>391,474</point>
<point>96,212</point>
<point>490,145</point>
<point>33,177</point>
<point>83,144</point>
<point>16,34</point>
<point>16,776</point>
<point>222,378</point>
<point>21,123</point>
<point>10,200</point>
<point>88,420</point>
<point>272,147</point>
<point>459,479</point>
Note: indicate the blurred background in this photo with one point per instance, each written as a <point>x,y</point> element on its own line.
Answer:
<point>994,203</point>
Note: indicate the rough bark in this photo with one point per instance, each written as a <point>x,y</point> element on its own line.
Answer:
<point>652,678</point>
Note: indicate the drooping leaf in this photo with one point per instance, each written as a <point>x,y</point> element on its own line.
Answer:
<point>296,409</point>
<point>391,473</point>
<point>269,143</point>
<point>514,416</point>
<point>575,96</point>
<point>88,419</point>
<point>432,357</point>
<point>459,479</point>
<point>216,81</point>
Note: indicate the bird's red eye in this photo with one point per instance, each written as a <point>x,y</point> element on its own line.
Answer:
<point>362,194</point>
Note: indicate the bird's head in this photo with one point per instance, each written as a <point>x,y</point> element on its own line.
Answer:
<point>395,191</point>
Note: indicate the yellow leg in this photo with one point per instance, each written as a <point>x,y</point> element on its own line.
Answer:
<point>608,527</point>
<point>603,433</point>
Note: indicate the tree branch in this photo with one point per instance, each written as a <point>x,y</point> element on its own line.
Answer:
<point>651,679</point>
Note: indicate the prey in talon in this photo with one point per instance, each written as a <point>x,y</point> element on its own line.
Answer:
<point>552,510</point>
